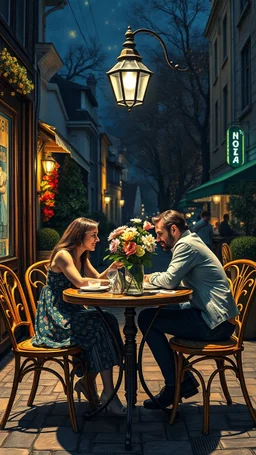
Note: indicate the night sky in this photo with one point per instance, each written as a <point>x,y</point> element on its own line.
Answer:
<point>104,19</point>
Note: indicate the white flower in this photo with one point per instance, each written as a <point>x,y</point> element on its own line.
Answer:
<point>149,242</point>
<point>136,220</point>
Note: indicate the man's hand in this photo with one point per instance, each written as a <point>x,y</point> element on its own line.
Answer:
<point>146,278</point>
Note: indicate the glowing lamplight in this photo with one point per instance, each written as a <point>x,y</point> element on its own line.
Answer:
<point>129,80</point>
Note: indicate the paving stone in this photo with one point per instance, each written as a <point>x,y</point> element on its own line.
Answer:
<point>53,420</point>
<point>217,422</point>
<point>20,439</point>
<point>14,451</point>
<point>142,427</point>
<point>64,452</point>
<point>3,435</point>
<point>177,431</point>
<point>154,416</point>
<point>239,442</point>
<point>168,448</point>
<point>3,403</point>
<point>57,439</point>
<point>85,442</point>
<point>118,438</point>
<point>154,436</point>
<point>41,452</point>
<point>220,433</point>
<point>115,448</point>
<point>232,452</point>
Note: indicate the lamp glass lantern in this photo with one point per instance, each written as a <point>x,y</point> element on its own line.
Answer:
<point>129,78</point>
<point>122,202</point>
<point>216,199</point>
<point>107,198</point>
<point>48,163</point>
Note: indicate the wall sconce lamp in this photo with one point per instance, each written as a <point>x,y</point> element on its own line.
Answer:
<point>122,202</point>
<point>129,78</point>
<point>48,163</point>
<point>216,199</point>
<point>107,197</point>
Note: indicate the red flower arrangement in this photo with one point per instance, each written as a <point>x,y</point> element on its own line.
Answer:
<point>49,189</point>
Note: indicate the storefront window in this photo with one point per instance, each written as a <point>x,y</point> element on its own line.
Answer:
<point>5,10</point>
<point>5,137</point>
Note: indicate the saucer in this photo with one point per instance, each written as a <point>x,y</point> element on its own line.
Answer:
<point>90,289</point>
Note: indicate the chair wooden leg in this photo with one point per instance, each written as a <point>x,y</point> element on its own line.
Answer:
<point>70,398</point>
<point>13,392</point>
<point>220,364</point>
<point>243,386</point>
<point>179,364</point>
<point>36,378</point>
<point>206,405</point>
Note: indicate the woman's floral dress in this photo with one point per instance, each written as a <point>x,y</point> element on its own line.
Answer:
<point>59,324</point>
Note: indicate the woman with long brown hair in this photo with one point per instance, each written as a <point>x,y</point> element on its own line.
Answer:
<point>59,324</point>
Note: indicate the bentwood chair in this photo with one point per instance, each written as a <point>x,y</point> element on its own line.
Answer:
<point>226,253</point>
<point>35,280</point>
<point>16,316</point>
<point>227,354</point>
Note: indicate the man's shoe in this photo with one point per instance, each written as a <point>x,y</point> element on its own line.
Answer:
<point>166,394</point>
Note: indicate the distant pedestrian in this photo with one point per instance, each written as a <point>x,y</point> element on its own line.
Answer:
<point>225,230</point>
<point>204,229</point>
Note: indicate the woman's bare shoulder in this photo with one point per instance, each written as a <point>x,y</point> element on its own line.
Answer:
<point>62,256</point>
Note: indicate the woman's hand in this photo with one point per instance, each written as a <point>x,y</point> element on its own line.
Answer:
<point>116,265</point>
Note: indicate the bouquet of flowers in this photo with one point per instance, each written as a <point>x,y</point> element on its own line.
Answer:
<point>132,245</point>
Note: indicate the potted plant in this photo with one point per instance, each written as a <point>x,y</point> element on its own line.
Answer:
<point>47,238</point>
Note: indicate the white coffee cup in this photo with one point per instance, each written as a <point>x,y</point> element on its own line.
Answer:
<point>95,284</point>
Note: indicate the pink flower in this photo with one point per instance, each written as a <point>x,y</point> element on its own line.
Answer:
<point>114,245</point>
<point>120,230</point>
<point>147,225</point>
<point>129,248</point>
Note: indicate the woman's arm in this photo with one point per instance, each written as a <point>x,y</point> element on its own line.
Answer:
<point>64,262</point>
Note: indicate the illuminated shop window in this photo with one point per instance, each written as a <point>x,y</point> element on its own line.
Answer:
<point>5,135</point>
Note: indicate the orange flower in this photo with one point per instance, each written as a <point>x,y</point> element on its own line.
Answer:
<point>49,189</point>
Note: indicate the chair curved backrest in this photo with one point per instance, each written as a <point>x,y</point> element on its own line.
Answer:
<point>13,304</point>
<point>35,280</point>
<point>226,253</point>
<point>242,279</point>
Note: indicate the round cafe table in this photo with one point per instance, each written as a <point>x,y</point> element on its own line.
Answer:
<point>129,364</point>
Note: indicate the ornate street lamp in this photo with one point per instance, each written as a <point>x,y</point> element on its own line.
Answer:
<point>48,163</point>
<point>129,78</point>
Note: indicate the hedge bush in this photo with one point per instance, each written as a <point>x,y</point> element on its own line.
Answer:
<point>47,238</point>
<point>244,248</point>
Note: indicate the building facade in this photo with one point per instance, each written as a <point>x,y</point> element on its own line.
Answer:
<point>232,34</point>
<point>18,110</point>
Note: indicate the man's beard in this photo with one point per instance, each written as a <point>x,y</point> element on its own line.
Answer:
<point>169,243</point>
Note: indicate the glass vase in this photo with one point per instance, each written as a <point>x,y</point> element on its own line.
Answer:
<point>134,278</point>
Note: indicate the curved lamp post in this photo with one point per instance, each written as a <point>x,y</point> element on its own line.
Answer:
<point>129,78</point>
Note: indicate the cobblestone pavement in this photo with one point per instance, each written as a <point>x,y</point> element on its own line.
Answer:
<point>44,429</point>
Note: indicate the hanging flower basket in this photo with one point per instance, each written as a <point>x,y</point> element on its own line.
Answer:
<point>48,191</point>
<point>15,73</point>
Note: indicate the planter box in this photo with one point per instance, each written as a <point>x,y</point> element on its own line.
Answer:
<point>42,255</point>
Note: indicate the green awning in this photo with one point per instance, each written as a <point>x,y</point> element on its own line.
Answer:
<point>187,204</point>
<point>221,184</point>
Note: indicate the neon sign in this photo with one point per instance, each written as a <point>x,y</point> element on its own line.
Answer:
<point>235,146</point>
